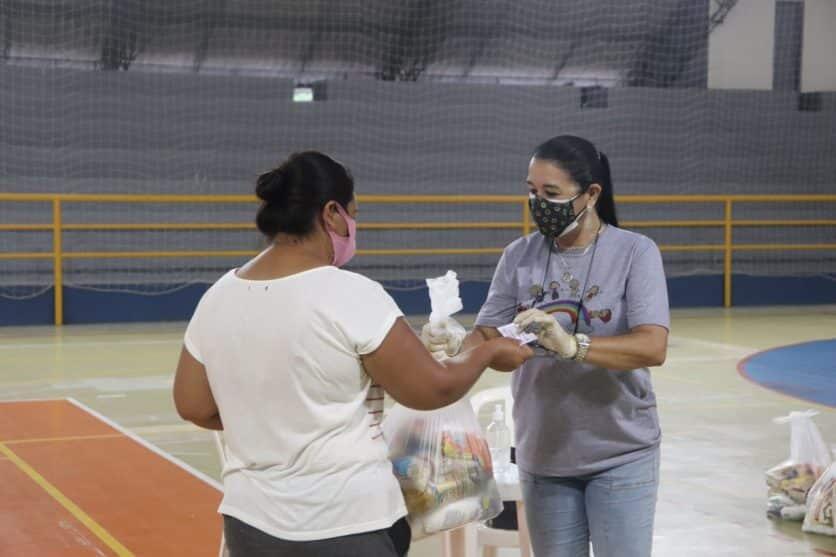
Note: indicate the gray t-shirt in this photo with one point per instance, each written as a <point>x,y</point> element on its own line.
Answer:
<point>575,419</point>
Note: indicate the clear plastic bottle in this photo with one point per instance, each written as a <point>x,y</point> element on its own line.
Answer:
<point>499,442</point>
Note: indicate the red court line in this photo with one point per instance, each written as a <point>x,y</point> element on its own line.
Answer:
<point>148,503</point>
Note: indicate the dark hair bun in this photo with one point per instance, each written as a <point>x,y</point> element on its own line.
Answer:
<point>295,193</point>
<point>269,186</point>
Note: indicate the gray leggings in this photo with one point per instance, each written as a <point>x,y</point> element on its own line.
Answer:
<point>243,540</point>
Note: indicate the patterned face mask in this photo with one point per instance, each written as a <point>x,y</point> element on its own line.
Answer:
<point>554,218</point>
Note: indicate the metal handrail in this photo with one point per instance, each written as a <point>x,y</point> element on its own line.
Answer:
<point>58,253</point>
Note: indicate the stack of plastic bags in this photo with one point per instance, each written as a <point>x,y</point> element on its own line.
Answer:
<point>443,465</point>
<point>791,481</point>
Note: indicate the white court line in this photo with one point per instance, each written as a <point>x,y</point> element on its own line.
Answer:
<point>7,401</point>
<point>116,384</point>
<point>168,428</point>
<point>725,350</point>
<point>715,345</point>
<point>700,359</point>
<point>62,344</point>
<point>153,448</point>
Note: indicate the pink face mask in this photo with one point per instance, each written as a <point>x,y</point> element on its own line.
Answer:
<point>344,247</point>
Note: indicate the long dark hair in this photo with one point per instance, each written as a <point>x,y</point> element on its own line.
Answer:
<point>586,165</point>
<point>294,193</point>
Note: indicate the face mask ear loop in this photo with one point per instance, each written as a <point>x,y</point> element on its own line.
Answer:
<point>574,224</point>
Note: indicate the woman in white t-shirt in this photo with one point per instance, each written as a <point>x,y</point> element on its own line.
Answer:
<point>290,356</point>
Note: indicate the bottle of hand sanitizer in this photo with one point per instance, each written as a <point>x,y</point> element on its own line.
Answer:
<point>499,442</point>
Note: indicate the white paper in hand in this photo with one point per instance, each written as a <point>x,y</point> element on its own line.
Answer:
<point>512,331</point>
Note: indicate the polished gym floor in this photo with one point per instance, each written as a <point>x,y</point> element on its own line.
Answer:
<point>100,464</point>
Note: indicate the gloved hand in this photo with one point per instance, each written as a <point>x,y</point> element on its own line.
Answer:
<point>443,340</point>
<point>550,334</point>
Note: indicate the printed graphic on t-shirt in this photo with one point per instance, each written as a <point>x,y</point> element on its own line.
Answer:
<point>564,296</point>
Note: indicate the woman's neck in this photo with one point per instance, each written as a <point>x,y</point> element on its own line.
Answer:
<point>588,229</point>
<point>285,257</point>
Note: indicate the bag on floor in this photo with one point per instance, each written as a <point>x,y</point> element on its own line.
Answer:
<point>819,518</point>
<point>790,482</point>
<point>443,465</point>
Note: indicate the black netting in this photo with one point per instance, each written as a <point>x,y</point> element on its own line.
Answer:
<point>416,97</point>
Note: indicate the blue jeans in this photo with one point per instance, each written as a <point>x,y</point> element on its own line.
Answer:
<point>613,509</point>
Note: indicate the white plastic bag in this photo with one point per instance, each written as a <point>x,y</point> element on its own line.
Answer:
<point>819,518</point>
<point>790,481</point>
<point>445,301</point>
<point>443,465</point>
<point>444,297</point>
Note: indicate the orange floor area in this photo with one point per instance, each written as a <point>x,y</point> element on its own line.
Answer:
<point>70,484</point>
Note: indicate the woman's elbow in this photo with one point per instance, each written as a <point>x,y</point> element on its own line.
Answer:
<point>658,357</point>
<point>434,394</point>
<point>432,399</point>
<point>186,412</point>
<point>191,412</point>
<point>656,347</point>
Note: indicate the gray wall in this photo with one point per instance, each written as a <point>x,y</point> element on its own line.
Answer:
<point>84,131</point>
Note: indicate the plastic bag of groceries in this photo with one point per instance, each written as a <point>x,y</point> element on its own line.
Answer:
<point>819,518</point>
<point>790,481</point>
<point>443,465</point>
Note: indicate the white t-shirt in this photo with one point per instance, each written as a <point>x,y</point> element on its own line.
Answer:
<point>306,456</point>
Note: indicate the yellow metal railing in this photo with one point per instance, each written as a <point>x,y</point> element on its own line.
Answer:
<point>59,254</point>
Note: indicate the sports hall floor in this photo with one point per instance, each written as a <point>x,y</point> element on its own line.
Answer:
<point>103,466</point>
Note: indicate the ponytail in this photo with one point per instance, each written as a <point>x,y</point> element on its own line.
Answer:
<point>606,200</point>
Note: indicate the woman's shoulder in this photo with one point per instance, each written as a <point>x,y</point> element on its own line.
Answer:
<point>223,282</point>
<point>214,292</point>
<point>353,280</point>
<point>628,239</point>
<point>352,296</point>
<point>525,245</point>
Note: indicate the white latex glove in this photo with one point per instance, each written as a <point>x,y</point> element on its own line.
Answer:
<point>443,340</point>
<point>550,334</point>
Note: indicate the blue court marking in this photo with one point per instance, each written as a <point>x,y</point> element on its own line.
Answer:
<point>806,371</point>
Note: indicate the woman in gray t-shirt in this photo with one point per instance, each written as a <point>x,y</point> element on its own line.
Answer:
<point>587,431</point>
